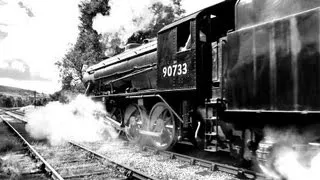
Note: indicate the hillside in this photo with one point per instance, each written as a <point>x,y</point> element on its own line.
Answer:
<point>16,92</point>
<point>17,97</point>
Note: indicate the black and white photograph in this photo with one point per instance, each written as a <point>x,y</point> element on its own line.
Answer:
<point>159,89</point>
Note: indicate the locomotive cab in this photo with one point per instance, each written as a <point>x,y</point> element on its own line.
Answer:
<point>189,55</point>
<point>190,58</point>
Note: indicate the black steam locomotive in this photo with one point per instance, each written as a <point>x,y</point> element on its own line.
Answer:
<point>218,77</point>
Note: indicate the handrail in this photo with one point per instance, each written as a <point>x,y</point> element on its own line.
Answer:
<point>127,71</point>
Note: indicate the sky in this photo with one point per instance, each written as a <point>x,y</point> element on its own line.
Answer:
<point>34,34</point>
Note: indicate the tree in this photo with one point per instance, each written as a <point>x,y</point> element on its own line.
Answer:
<point>112,42</point>
<point>163,15</point>
<point>87,50</point>
<point>178,11</point>
<point>19,102</point>
<point>55,96</point>
<point>2,100</point>
<point>90,47</point>
<point>9,101</point>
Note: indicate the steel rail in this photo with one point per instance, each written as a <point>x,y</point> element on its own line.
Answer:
<point>129,172</point>
<point>213,166</point>
<point>47,167</point>
<point>15,115</point>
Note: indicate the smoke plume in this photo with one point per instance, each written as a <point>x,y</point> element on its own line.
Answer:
<point>80,120</point>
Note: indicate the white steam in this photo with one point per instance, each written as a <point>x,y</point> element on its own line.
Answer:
<point>192,6</point>
<point>289,164</point>
<point>80,120</point>
<point>291,158</point>
<point>126,17</point>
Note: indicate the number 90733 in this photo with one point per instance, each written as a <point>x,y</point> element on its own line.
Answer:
<point>175,70</point>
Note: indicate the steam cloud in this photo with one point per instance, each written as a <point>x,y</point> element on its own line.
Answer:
<point>126,17</point>
<point>290,160</point>
<point>80,120</point>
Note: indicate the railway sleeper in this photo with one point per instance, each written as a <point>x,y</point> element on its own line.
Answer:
<point>84,175</point>
<point>77,166</point>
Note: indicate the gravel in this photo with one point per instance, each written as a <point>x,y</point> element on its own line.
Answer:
<point>157,166</point>
<point>19,166</point>
<point>70,161</point>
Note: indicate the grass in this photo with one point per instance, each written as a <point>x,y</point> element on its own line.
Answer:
<point>7,142</point>
<point>8,145</point>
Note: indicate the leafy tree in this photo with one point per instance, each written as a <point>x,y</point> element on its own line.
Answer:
<point>163,15</point>
<point>90,47</point>
<point>55,96</point>
<point>9,101</point>
<point>19,102</point>
<point>87,50</point>
<point>41,101</point>
<point>178,11</point>
<point>113,43</point>
<point>2,100</point>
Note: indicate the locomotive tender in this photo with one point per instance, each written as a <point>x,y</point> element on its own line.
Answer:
<point>218,77</point>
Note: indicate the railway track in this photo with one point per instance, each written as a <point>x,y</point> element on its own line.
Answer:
<point>172,165</point>
<point>25,165</point>
<point>70,161</point>
<point>145,162</point>
<point>237,172</point>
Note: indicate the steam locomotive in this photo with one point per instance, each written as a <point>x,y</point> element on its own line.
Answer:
<point>218,77</point>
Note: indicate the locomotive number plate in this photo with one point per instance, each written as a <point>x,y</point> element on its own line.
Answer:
<point>175,70</point>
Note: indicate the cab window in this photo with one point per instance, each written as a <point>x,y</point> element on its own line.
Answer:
<point>184,37</point>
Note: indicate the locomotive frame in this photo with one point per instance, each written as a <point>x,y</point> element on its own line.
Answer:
<point>233,77</point>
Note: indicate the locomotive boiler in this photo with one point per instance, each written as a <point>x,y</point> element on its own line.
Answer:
<point>216,78</point>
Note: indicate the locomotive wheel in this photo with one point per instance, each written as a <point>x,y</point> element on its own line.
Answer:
<point>162,121</point>
<point>134,120</point>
